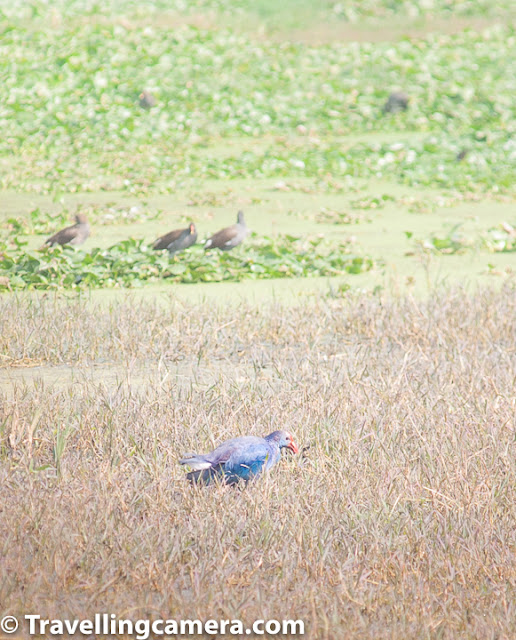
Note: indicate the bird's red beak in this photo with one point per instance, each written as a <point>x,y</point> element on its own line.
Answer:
<point>293,447</point>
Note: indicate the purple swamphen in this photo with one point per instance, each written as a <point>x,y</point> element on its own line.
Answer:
<point>239,458</point>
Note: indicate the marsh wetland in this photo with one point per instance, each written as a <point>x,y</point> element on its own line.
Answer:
<point>371,311</point>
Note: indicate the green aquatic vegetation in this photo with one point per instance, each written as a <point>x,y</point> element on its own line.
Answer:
<point>426,163</point>
<point>45,222</point>
<point>372,202</point>
<point>459,239</point>
<point>210,199</point>
<point>37,221</point>
<point>131,262</point>
<point>331,216</point>
<point>451,241</point>
<point>72,120</point>
<point>115,214</point>
<point>501,238</point>
<point>265,10</point>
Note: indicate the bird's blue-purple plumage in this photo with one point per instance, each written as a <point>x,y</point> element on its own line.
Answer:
<point>237,459</point>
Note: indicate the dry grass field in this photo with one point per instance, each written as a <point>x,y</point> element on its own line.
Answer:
<point>399,521</point>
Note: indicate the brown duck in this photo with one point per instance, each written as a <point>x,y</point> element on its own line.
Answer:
<point>76,234</point>
<point>230,237</point>
<point>177,240</point>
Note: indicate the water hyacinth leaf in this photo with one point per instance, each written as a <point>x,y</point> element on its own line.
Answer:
<point>131,262</point>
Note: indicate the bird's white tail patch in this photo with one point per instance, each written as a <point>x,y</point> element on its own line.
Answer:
<point>196,465</point>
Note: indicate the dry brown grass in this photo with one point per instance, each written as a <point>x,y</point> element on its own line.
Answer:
<point>401,523</point>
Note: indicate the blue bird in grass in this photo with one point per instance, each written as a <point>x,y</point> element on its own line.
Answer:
<point>239,458</point>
